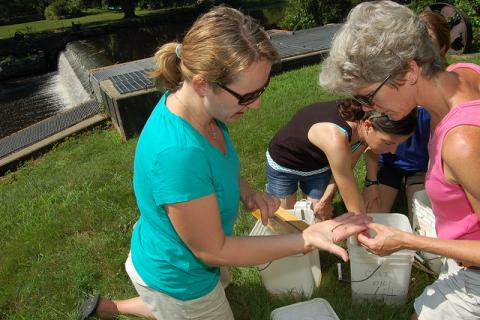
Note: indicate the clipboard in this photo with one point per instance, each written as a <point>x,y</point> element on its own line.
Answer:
<point>283,222</point>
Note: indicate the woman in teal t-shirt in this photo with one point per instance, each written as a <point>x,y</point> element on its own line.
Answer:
<point>187,175</point>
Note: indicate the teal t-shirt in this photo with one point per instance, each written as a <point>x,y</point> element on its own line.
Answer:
<point>175,163</point>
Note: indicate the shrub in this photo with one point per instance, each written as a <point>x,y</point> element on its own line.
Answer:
<point>60,9</point>
<point>301,14</point>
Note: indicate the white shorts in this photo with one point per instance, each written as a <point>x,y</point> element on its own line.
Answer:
<point>454,295</point>
<point>212,306</point>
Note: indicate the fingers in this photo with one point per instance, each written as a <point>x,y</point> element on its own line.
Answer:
<point>366,241</point>
<point>339,251</point>
<point>324,214</point>
<point>346,230</point>
<point>266,203</point>
<point>351,217</point>
<point>348,225</point>
<point>343,217</point>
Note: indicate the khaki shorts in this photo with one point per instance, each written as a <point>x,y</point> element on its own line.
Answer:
<point>212,306</point>
<point>454,295</point>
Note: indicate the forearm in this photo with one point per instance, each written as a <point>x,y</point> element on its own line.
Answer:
<point>354,201</point>
<point>249,251</point>
<point>467,251</point>
<point>351,196</point>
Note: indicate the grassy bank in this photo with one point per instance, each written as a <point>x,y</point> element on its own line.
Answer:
<point>92,17</point>
<point>97,17</point>
<point>67,218</point>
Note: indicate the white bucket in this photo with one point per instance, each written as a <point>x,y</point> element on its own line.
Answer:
<point>298,274</point>
<point>315,309</point>
<point>424,225</point>
<point>381,278</point>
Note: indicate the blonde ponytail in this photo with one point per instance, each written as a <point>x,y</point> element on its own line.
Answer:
<point>167,72</point>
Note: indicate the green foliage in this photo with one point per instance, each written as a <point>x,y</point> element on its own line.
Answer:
<point>472,9</point>
<point>302,14</point>
<point>14,8</point>
<point>419,5</point>
<point>60,9</point>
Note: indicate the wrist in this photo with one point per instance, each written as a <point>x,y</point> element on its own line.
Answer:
<point>246,196</point>
<point>307,246</point>
<point>369,182</point>
<point>326,200</point>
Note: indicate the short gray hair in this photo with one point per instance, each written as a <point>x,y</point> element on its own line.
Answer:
<point>379,38</point>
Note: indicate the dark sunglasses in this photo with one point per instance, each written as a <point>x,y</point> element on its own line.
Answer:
<point>247,98</point>
<point>368,99</point>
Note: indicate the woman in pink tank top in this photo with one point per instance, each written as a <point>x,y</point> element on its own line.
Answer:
<point>384,58</point>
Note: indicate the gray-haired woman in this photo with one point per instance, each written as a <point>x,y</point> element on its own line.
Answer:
<point>384,57</point>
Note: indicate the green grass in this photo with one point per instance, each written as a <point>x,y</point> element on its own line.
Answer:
<point>67,218</point>
<point>92,17</point>
<point>96,17</point>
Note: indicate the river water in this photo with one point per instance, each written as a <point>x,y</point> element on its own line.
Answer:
<point>26,101</point>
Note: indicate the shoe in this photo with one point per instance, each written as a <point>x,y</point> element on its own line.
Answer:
<point>87,308</point>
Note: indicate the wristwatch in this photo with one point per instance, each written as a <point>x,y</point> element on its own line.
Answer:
<point>369,182</point>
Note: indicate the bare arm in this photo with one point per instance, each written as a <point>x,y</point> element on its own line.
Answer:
<point>371,193</point>
<point>323,209</point>
<point>389,240</point>
<point>198,224</point>
<point>460,143</point>
<point>337,149</point>
<point>463,143</point>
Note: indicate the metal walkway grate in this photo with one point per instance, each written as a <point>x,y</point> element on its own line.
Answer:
<point>47,127</point>
<point>132,81</point>
<point>290,44</point>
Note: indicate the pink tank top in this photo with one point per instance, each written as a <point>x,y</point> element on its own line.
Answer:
<point>455,217</point>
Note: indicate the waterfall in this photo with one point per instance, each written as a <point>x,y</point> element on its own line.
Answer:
<point>26,101</point>
<point>68,85</point>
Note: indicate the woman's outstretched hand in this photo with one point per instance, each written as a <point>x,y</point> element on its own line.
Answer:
<point>325,234</point>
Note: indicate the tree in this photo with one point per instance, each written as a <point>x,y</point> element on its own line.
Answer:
<point>128,7</point>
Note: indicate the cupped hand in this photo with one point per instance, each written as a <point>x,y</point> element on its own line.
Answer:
<point>323,210</point>
<point>263,201</point>
<point>386,241</point>
<point>325,234</point>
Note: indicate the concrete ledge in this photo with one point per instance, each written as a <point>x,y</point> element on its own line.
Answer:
<point>11,161</point>
<point>129,111</point>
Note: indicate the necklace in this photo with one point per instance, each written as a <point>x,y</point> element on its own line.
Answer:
<point>212,127</point>
<point>213,130</point>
